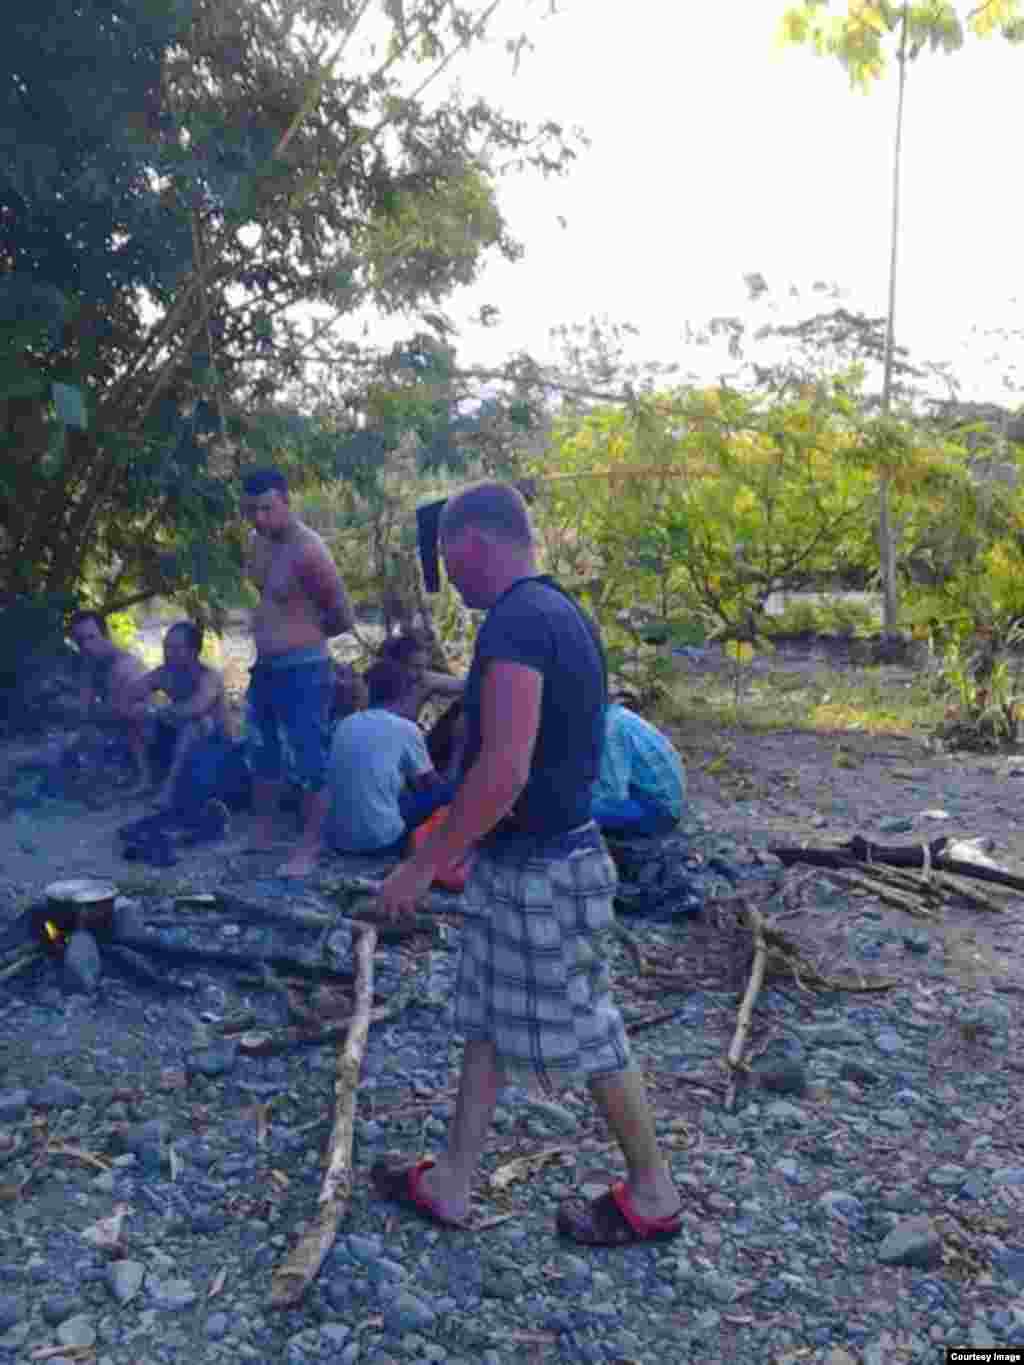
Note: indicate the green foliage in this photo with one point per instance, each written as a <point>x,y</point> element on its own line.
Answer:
<point>829,616</point>
<point>184,183</point>
<point>123,629</point>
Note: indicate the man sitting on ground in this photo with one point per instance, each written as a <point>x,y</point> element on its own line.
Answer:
<point>381,779</point>
<point>642,783</point>
<point>196,707</point>
<point>105,699</point>
<point>446,738</point>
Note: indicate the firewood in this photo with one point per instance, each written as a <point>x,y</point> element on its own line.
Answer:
<point>735,1056</point>
<point>291,1280</point>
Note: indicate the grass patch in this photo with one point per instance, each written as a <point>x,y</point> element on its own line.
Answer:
<point>863,701</point>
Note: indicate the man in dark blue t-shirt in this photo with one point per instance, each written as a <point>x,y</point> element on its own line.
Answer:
<point>533,999</point>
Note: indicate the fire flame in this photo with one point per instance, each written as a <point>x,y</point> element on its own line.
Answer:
<point>51,931</point>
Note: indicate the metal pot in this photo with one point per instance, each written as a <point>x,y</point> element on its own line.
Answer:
<point>77,904</point>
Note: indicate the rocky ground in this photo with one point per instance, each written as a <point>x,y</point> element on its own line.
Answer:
<point>858,1203</point>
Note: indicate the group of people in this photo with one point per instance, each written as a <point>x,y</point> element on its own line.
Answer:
<point>536,764</point>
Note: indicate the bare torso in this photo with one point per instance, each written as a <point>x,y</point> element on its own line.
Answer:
<point>287,617</point>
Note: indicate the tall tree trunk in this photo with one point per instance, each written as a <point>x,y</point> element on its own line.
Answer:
<point>886,530</point>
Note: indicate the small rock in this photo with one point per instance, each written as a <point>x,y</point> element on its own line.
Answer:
<point>11,1311</point>
<point>887,1040</point>
<point>841,1204</point>
<point>172,1294</point>
<point>56,1093</point>
<point>13,1104</point>
<point>77,1331</point>
<point>947,1177</point>
<point>781,1076</point>
<point>935,815</point>
<point>913,1242</point>
<point>146,1142</point>
<point>82,966</point>
<point>124,1279</point>
<point>58,1308</point>
<point>895,824</point>
<point>216,1060</point>
<point>406,1313</point>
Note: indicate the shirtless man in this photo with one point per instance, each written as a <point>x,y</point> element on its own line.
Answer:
<point>303,604</point>
<point>105,698</point>
<point>196,708</point>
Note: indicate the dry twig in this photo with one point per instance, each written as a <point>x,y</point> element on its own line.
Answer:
<point>292,1279</point>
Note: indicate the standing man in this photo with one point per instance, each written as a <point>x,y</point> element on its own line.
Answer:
<point>105,698</point>
<point>303,604</point>
<point>533,991</point>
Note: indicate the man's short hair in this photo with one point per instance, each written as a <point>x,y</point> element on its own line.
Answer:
<point>193,634</point>
<point>400,648</point>
<point>81,618</point>
<point>388,682</point>
<point>268,480</point>
<point>497,509</point>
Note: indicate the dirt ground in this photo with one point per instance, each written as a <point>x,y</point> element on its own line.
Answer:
<point>786,787</point>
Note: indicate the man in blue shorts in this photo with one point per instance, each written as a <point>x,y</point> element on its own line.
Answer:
<point>533,997</point>
<point>302,605</point>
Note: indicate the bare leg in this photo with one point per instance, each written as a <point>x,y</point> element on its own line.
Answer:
<point>622,1099</point>
<point>265,797</point>
<point>448,1181</point>
<point>187,736</point>
<point>135,733</point>
<point>315,806</point>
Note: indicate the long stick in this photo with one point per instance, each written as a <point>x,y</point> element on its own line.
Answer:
<point>739,1038</point>
<point>292,1279</point>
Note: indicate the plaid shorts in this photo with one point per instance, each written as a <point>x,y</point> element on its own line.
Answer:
<point>532,975</point>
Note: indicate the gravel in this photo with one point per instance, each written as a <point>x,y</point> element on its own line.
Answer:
<point>861,1202</point>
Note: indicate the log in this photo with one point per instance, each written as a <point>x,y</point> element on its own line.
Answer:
<point>291,1280</point>
<point>739,1037</point>
<point>861,850</point>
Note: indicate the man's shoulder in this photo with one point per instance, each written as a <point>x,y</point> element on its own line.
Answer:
<point>309,542</point>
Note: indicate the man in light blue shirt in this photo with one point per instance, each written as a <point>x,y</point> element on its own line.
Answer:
<point>381,779</point>
<point>641,787</point>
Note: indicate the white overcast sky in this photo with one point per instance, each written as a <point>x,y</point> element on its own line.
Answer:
<point>715,153</point>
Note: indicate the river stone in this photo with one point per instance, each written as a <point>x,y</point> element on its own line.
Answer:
<point>215,1060</point>
<point>146,1142</point>
<point>171,1294</point>
<point>77,1331</point>
<point>780,1075</point>
<point>913,1242</point>
<point>13,1104</point>
<point>56,1093</point>
<point>124,1279</point>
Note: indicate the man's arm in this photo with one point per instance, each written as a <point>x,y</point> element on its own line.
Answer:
<point>136,690</point>
<point>206,696</point>
<point>319,576</point>
<point>510,699</point>
<point>442,684</point>
<point>126,700</point>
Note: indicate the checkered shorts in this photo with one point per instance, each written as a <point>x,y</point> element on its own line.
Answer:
<point>532,976</point>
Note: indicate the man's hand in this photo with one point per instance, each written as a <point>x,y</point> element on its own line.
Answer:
<point>401,892</point>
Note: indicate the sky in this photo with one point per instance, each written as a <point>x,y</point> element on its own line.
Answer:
<point>715,153</point>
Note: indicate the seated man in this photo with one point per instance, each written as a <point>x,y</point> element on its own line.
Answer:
<point>446,738</point>
<point>642,784</point>
<point>196,708</point>
<point>105,699</point>
<point>349,693</point>
<point>381,779</point>
<point>410,652</point>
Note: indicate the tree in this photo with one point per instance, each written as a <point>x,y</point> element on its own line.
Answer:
<point>267,159</point>
<point>863,40</point>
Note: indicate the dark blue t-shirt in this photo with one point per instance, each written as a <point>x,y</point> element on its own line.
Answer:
<point>535,624</point>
